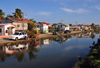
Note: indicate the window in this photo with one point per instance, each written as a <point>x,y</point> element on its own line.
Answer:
<point>6,31</point>
<point>16,33</point>
<point>20,34</point>
<point>0,30</point>
<point>23,33</point>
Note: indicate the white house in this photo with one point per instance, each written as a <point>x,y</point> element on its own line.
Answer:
<point>61,26</point>
<point>7,29</point>
<point>20,23</point>
<point>42,27</point>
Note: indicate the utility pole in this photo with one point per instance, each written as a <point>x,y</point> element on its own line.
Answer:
<point>23,21</point>
<point>76,26</point>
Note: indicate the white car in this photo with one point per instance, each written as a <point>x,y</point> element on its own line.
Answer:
<point>18,35</point>
<point>19,47</point>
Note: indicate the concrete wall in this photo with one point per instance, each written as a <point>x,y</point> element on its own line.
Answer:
<point>22,26</point>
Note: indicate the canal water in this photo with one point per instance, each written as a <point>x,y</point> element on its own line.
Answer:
<point>49,53</point>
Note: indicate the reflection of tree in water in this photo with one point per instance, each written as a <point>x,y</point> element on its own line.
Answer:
<point>20,56</point>
<point>2,57</point>
<point>32,49</point>
<point>92,36</point>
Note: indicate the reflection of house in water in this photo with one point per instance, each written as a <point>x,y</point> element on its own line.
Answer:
<point>84,35</point>
<point>19,52</point>
<point>13,49</point>
<point>7,50</point>
<point>62,39</point>
<point>45,41</point>
<point>80,35</point>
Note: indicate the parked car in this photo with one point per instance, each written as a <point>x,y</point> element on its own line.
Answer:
<point>56,32</point>
<point>19,47</point>
<point>67,31</point>
<point>18,35</point>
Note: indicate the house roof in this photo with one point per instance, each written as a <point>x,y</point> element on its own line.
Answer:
<point>73,25</point>
<point>55,24</point>
<point>86,25</point>
<point>44,23</point>
<point>19,19</point>
<point>6,24</point>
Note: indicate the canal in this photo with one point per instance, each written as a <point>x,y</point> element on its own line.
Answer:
<point>49,53</point>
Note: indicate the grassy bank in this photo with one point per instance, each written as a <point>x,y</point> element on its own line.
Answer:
<point>37,38</point>
<point>93,58</point>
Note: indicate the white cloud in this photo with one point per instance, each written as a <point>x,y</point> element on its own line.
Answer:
<point>45,13</point>
<point>97,7</point>
<point>75,11</point>
<point>72,47</point>
<point>62,4</point>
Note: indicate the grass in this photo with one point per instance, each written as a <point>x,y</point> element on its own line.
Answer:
<point>92,60</point>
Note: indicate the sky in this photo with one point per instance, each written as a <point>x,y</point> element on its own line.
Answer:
<point>55,11</point>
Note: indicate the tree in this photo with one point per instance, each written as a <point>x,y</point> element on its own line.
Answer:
<point>92,36</point>
<point>32,20</point>
<point>70,24</point>
<point>92,25</point>
<point>9,15</point>
<point>2,14</point>
<point>30,26</point>
<point>18,13</point>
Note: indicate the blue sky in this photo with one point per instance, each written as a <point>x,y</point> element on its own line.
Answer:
<point>52,11</point>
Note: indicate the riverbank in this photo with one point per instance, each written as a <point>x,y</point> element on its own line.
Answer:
<point>92,60</point>
<point>6,41</point>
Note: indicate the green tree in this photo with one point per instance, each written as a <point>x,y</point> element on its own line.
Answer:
<point>2,14</point>
<point>32,20</point>
<point>70,24</point>
<point>18,13</point>
<point>9,15</point>
<point>30,26</point>
<point>92,25</point>
<point>92,36</point>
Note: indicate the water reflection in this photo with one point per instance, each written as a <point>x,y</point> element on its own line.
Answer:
<point>19,51</point>
<point>47,54</point>
<point>62,39</point>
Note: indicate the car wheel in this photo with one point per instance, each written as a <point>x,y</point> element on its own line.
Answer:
<point>16,39</point>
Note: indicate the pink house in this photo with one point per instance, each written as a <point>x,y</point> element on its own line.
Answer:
<point>75,27</point>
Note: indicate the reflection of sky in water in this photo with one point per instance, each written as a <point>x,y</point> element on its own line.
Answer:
<point>54,55</point>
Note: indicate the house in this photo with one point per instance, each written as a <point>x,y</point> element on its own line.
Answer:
<point>42,27</point>
<point>7,29</point>
<point>97,26</point>
<point>61,26</point>
<point>20,24</point>
<point>86,27</point>
<point>75,27</point>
